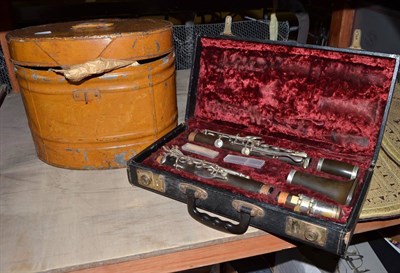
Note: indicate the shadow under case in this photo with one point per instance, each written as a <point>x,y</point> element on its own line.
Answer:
<point>279,136</point>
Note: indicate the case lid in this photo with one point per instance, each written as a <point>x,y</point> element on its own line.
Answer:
<point>333,100</point>
<point>77,42</point>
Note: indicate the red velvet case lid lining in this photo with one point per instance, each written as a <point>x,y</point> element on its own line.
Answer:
<point>312,96</point>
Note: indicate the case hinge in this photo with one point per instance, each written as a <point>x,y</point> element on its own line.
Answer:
<point>199,193</point>
<point>255,211</point>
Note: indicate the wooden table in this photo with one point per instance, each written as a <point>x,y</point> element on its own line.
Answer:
<point>57,220</point>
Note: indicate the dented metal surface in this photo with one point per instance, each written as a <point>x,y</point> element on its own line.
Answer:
<point>103,121</point>
<point>72,43</point>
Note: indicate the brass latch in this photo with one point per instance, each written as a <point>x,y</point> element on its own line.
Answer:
<point>306,231</point>
<point>151,180</point>
<point>86,95</point>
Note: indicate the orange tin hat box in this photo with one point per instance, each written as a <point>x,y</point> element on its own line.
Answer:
<point>96,92</point>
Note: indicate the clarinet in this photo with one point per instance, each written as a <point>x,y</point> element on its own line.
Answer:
<point>173,157</point>
<point>249,145</point>
<point>253,145</point>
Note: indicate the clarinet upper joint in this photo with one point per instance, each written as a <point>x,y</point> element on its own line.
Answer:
<point>250,145</point>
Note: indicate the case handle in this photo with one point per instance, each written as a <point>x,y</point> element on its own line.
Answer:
<point>193,193</point>
<point>215,222</point>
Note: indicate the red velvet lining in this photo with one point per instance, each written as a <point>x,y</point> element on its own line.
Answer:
<point>321,96</point>
<point>328,104</point>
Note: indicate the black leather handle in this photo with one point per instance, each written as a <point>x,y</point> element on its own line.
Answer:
<point>215,222</point>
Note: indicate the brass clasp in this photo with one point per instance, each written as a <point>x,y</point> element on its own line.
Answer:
<point>306,231</point>
<point>151,180</point>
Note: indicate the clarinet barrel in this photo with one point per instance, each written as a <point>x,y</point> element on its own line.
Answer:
<point>336,167</point>
<point>214,141</point>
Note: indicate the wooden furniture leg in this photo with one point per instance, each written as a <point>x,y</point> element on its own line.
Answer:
<point>10,66</point>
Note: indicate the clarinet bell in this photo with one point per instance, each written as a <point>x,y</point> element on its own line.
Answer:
<point>339,191</point>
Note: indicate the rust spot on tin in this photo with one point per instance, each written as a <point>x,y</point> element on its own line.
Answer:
<point>85,156</point>
<point>88,168</point>
<point>165,60</point>
<point>72,150</point>
<point>37,77</point>
<point>110,76</point>
<point>157,46</point>
<point>134,43</point>
<point>120,158</point>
